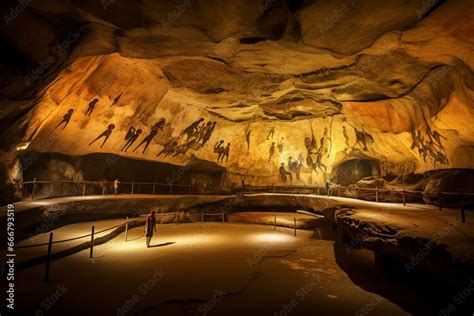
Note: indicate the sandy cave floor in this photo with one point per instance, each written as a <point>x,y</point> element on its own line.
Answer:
<point>201,269</point>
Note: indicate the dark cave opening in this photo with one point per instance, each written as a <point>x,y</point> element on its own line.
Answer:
<point>108,167</point>
<point>353,170</point>
<point>253,39</point>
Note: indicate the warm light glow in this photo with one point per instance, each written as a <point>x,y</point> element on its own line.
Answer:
<point>23,146</point>
<point>272,237</point>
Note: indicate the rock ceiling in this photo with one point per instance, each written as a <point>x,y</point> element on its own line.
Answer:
<point>321,82</point>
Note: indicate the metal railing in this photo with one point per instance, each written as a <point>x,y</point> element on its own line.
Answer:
<point>32,190</point>
<point>54,188</point>
<point>127,224</point>
<point>356,192</point>
<point>455,200</point>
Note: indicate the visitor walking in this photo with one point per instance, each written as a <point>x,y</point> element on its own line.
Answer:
<point>150,227</point>
<point>116,186</point>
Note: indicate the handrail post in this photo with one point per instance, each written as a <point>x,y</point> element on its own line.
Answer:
<point>223,216</point>
<point>202,216</point>
<point>319,191</point>
<point>34,189</point>
<point>463,213</point>
<point>403,197</point>
<point>440,203</point>
<point>154,188</point>
<point>84,189</point>
<point>357,191</point>
<point>294,219</point>
<point>275,221</point>
<point>48,257</point>
<point>91,254</point>
<point>133,186</point>
<point>376,194</point>
<point>126,229</point>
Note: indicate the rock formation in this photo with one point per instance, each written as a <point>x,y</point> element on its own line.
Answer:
<point>247,85</point>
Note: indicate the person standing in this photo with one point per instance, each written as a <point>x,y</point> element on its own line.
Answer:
<point>116,186</point>
<point>150,227</point>
<point>328,187</point>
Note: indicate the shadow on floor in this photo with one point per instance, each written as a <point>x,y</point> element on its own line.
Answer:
<point>162,245</point>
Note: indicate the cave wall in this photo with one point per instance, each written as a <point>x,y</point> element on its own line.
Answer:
<point>304,83</point>
<point>100,167</point>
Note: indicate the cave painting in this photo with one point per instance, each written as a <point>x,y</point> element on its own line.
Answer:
<point>325,143</point>
<point>169,149</point>
<point>221,151</point>
<point>281,145</point>
<point>346,136</point>
<point>247,136</point>
<point>131,136</point>
<point>314,158</point>
<point>197,135</point>
<point>225,153</point>
<point>431,147</point>
<point>116,100</point>
<point>147,140</point>
<point>296,165</point>
<point>160,124</point>
<point>363,139</point>
<point>271,132</point>
<point>192,129</point>
<point>271,151</point>
<point>284,173</point>
<point>106,134</point>
<point>66,119</point>
<point>91,107</point>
